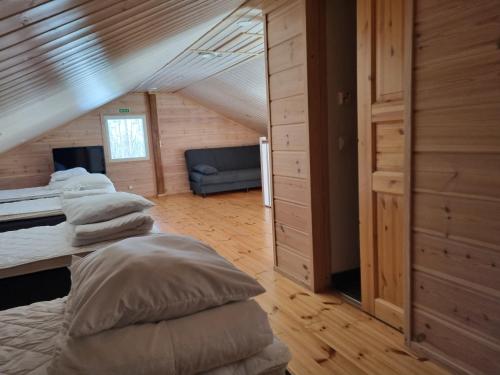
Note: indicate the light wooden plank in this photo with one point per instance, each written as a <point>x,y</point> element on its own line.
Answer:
<point>388,182</point>
<point>288,111</point>
<point>289,137</point>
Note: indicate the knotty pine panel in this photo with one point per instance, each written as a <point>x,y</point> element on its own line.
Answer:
<point>286,56</point>
<point>294,265</point>
<point>291,189</point>
<point>389,50</point>
<point>292,215</point>
<point>467,351</point>
<point>30,164</point>
<point>287,83</point>
<point>456,230</point>
<point>294,239</point>
<point>288,111</point>
<point>285,23</point>
<point>458,173</point>
<point>289,138</point>
<point>477,311</point>
<point>290,164</point>
<point>185,124</point>
<point>390,211</point>
<point>472,221</point>
<point>470,263</point>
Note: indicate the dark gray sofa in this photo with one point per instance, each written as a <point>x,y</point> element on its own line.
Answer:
<point>237,168</point>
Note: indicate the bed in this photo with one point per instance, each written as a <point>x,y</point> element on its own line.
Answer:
<point>14,195</point>
<point>29,336</point>
<point>30,213</point>
<point>33,264</point>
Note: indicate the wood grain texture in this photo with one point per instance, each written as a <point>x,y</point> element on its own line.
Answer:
<point>156,143</point>
<point>31,164</point>
<point>381,156</point>
<point>185,124</point>
<point>295,40</point>
<point>456,236</point>
<point>325,335</point>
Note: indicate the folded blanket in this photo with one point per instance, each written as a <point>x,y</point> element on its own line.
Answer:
<point>124,226</point>
<point>71,194</point>
<point>273,358</point>
<point>184,346</point>
<point>101,207</point>
<point>86,182</point>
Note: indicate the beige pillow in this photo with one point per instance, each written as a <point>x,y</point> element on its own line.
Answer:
<point>148,279</point>
<point>86,182</point>
<point>102,207</point>
<point>189,345</point>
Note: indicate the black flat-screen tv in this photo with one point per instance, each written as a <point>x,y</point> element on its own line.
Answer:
<point>91,158</point>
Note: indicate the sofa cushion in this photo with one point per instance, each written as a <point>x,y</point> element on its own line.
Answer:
<point>226,176</point>
<point>205,169</point>
<point>225,158</point>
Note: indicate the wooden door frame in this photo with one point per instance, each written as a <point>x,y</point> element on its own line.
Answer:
<point>409,10</point>
<point>365,14</point>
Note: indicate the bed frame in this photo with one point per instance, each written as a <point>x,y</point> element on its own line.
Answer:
<point>10,225</point>
<point>34,287</point>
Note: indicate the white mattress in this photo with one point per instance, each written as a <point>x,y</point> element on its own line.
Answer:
<point>28,334</point>
<point>14,195</point>
<point>36,249</point>
<point>30,209</point>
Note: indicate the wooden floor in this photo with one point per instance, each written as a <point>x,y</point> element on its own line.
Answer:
<point>325,335</point>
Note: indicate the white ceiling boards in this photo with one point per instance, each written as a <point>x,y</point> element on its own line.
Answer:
<point>239,93</point>
<point>62,58</point>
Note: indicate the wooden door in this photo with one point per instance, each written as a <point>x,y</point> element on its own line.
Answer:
<point>381,156</point>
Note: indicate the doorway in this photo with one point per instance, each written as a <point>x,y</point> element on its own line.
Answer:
<point>343,149</point>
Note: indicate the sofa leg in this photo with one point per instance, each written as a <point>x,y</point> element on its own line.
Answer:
<point>248,190</point>
<point>204,195</point>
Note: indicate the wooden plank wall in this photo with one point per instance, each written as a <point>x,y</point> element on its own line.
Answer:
<point>298,125</point>
<point>30,164</point>
<point>183,125</point>
<point>456,192</point>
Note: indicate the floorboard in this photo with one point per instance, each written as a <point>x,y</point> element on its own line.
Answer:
<point>325,334</point>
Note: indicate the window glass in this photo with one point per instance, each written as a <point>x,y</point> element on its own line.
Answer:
<point>127,137</point>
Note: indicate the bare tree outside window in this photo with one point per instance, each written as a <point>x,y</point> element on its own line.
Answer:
<point>127,137</point>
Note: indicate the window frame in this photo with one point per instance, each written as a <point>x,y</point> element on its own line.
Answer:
<point>107,140</point>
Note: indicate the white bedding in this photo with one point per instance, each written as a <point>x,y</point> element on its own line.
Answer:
<point>28,334</point>
<point>39,248</point>
<point>14,195</point>
<point>30,209</point>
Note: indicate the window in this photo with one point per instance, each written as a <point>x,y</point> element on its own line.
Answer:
<point>127,137</point>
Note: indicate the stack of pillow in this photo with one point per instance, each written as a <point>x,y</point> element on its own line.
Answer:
<point>97,216</point>
<point>58,178</point>
<point>90,181</point>
<point>163,304</point>
<point>78,179</point>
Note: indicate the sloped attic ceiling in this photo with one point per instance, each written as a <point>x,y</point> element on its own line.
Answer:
<point>239,93</point>
<point>62,58</point>
<point>223,70</point>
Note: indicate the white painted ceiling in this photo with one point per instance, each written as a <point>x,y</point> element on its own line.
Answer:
<point>238,93</point>
<point>62,58</point>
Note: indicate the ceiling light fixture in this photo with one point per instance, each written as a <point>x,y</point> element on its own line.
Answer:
<point>244,23</point>
<point>208,54</point>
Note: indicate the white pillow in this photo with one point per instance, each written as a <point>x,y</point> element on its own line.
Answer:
<point>72,194</point>
<point>102,207</point>
<point>149,279</point>
<point>89,181</point>
<point>67,173</point>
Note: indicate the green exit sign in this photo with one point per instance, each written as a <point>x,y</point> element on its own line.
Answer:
<point>123,110</point>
